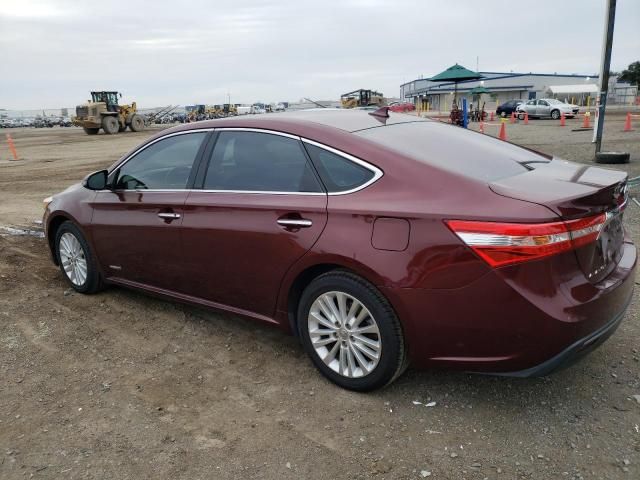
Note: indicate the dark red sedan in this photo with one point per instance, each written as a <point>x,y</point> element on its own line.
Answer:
<point>380,240</point>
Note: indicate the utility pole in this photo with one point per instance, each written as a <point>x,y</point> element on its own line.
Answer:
<point>610,16</point>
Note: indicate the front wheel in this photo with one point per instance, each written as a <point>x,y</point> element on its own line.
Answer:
<point>137,123</point>
<point>77,263</point>
<point>555,114</point>
<point>110,125</point>
<point>351,332</point>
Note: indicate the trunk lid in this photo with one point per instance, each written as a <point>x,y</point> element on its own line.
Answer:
<point>574,191</point>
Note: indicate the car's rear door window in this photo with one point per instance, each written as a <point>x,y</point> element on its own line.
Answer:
<point>163,165</point>
<point>337,172</point>
<point>259,162</point>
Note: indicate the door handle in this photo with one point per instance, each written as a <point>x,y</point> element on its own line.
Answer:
<point>295,222</point>
<point>169,216</point>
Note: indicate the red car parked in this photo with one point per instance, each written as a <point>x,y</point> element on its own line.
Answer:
<point>380,240</point>
<point>402,107</point>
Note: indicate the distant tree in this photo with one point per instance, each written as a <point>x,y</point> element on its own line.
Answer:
<point>631,74</point>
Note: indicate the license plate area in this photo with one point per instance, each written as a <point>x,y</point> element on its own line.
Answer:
<point>608,248</point>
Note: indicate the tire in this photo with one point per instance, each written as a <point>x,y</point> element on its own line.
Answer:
<point>555,114</point>
<point>110,125</point>
<point>69,239</point>
<point>137,123</point>
<point>359,371</point>
<point>612,157</point>
<point>91,131</point>
<point>520,116</point>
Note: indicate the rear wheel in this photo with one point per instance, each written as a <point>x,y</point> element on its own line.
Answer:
<point>137,123</point>
<point>91,131</point>
<point>110,125</point>
<point>351,332</point>
<point>555,114</point>
<point>77,263</point>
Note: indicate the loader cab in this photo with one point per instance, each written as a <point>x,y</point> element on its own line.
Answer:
<point>362,98</point>
<point>109,98</point>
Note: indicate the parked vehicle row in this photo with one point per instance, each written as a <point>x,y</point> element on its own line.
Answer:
<point>37,122</point>
<point>350,233</point>
<point>547,108</point>
<point>538,108</point>
<point>15,123</point>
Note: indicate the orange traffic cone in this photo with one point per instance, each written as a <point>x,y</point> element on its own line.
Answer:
<point>491,117</point>
<point>627,123</point>
<point>481,126</point>
<point>12,147</point>
<point>585,122</point>
<point>503,132</point>
<point>563,120</point>
<point>513,117</point>
<point>526,118</point>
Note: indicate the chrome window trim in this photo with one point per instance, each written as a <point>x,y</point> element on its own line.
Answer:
<point>262,192</point>
<point>257,130</point>
<point>377,173</point>
<point>197,190</point>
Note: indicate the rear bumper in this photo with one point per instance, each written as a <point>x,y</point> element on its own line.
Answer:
<point>523,320</point>
<point>572,353</point>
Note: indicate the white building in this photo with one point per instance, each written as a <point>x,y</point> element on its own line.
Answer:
<point>507,86</point>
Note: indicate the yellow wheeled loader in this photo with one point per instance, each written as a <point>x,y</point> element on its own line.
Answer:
<point>103,112</point>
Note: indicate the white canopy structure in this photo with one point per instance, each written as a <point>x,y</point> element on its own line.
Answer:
<point>580,88</point>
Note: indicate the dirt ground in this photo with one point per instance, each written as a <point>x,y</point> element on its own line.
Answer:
<point>121,385</point>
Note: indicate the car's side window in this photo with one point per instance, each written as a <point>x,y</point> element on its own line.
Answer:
<point>543,103</point>
<point>164,165</point>
<point>338,173</point>
<point>531,102</point>
<point>259,162</point>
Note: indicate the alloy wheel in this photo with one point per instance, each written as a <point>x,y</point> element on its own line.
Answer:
<point>73,259</point>
<point>344,334</point>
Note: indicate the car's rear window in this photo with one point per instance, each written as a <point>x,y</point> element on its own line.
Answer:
<point>454,149</point>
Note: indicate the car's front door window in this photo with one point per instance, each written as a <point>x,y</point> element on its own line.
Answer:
<point>164,165</point>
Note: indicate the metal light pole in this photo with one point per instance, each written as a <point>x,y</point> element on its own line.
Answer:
<point>610,16</point>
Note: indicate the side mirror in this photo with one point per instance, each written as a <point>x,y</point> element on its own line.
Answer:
<point>96,181</point>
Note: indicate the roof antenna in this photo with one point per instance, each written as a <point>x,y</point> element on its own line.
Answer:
<point>382,112</point>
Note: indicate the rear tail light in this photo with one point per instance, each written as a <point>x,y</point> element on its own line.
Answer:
<point>501,244</point>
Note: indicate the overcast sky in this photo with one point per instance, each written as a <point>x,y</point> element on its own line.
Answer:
<point>52,52</point>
